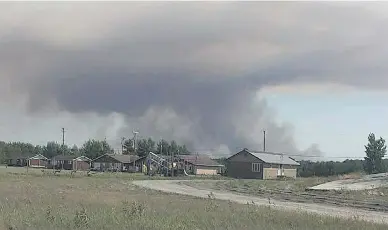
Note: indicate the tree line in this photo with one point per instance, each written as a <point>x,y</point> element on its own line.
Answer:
<point>375,151</point>
<point>91,148</point>
<point>373,162</point>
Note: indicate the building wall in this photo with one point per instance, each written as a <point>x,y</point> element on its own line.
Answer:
<point>81,166</point>
<point>270,173</point>
<point>240,166</point>
<point>37,163</point>
<point>290,173</point>
<point>205,170</point>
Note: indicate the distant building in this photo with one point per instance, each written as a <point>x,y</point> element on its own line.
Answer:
<point>18,160</point>
<point>200,164</point>
<point>37,161</point>
<point>115,162</point>
<point>260,165</point>
<point>69,162</point>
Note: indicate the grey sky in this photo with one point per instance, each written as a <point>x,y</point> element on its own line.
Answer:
<point>189,71</point>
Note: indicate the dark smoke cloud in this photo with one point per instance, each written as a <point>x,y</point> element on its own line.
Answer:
<point>188,71</point>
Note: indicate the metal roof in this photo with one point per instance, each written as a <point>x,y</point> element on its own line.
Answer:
<point>38,157</point>
<point>124,158</point>
<point>274,158</point>
<point>200,160</point>
<point>63,157</point>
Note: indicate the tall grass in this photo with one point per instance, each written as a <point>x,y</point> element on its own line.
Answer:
<point>29,202</point>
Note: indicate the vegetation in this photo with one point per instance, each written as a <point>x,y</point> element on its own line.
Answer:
<point>329,168</point>
<point>375,151</point>
<point>62,203</point>
<point>91,148</point>
<point>144,146</point>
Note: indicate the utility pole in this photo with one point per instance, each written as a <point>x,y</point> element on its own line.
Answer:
<point>122,145</point>
<point>134,147</point>
<point>63,145</point>
<point>264,141</point>
<point>63,141</point>
<point>161,146</point>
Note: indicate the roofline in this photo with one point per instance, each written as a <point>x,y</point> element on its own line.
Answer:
<point>247,150</point>
<point>208,165</point>
<point>38,155</point>
<point>99,157</point>
<point>82,157</point>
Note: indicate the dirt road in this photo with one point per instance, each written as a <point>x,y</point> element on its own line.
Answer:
<point>173,187</point>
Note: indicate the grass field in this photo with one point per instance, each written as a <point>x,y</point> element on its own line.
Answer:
<point>47,201</point>
<point>295,190</point>
<point>298,186</point>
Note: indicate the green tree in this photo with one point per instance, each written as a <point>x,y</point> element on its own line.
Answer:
<point>94,148</point>
<point>128,147</point>
<point>74,151</point>
<point>144,146</point>
<point>52,149</point>
<point>162,147</point>
<point>375,151</point>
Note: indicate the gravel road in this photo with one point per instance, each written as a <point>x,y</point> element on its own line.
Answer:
<point>173,186</point>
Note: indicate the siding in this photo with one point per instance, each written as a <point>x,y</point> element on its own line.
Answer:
<point>81,165</point>
<point>243,170</point>
<point>205,170</point>
<point>270,173</point>
<point>290,173</point>
<point>37,163</point>
<point>240,166</point>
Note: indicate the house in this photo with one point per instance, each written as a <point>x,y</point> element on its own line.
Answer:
<point>248,164</point>
<point>115,162</point>
<point>38,161</point>
<point>69,162</point>
<point>18,160</point>
<point>200,164</point>
<point>62,162</point>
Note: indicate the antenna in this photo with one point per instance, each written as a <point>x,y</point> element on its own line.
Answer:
<point>264,141</point>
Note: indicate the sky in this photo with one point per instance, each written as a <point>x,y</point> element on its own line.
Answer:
<point>211,75</point>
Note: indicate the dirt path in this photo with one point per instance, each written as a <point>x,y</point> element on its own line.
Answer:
<point>173,187</point>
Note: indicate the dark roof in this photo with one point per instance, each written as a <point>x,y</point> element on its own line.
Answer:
<point>82,158</point>
<point>20,156</point>
<point>64,157</point>
<point>38,157</point>
<point>122,158</point>
<point>199,159</point>
<point>271,158</point>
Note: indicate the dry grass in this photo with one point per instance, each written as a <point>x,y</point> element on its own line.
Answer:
<point>297,187</point>
<point>45,201</point>
<point>251,186</point>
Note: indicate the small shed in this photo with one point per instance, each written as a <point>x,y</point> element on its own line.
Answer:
<point>248,164</point>
<point>200,164</point>
<point>81,163</point>
<point>37,161</point>
<point>115,162</point>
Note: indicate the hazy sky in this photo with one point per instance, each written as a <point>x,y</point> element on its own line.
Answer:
<point>211,75</point>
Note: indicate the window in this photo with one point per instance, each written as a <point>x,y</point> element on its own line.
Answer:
<point>256,167</point>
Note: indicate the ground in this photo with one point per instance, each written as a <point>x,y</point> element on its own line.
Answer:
<point>295,191</point>
<point>41,200</point>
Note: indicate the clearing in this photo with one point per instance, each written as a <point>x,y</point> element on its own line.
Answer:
<point>295,191</point>
<point>368,182</point>
<point>42,200</point>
